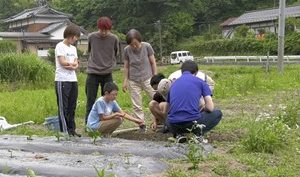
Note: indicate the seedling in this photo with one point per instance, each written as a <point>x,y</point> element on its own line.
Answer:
<point>58,135</point>
<point>29,136</point>
<point>195,152</point>
<point>93,134</point>
<point>101,173</point>
<point>30,173</point>
<point>6,169</point>
<point>126,155</point>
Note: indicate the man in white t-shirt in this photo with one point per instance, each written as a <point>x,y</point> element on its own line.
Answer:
<point>211,83</point>
<point>66,61</point>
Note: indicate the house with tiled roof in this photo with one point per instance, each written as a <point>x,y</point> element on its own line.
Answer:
<point>39,29</point>
<point>258,20</point>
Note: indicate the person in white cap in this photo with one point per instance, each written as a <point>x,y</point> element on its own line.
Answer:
<point>158,103</point>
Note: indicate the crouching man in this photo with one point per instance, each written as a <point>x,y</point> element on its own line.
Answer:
<point>184,111</point>
<point>106,115</point>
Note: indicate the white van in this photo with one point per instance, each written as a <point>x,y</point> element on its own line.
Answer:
<point>180,57</point>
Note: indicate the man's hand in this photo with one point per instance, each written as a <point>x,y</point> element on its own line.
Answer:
<point>154,125</point>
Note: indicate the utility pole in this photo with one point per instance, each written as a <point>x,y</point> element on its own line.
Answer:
<point>160,43</point>
<point>281,27</point>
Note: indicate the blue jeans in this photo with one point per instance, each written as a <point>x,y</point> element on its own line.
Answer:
<point>209,119</point>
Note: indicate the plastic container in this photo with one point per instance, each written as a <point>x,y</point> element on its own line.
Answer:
<point>52,123</point>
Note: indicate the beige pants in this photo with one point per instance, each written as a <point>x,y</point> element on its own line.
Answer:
<point>108,126</point>
<point>135,89</point>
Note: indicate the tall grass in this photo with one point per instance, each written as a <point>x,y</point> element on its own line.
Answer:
<point>26,68</point>
<point>7,46</point>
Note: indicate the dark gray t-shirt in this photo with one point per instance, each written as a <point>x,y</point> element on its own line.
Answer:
<point>139,63</point>
<point>103,52</point>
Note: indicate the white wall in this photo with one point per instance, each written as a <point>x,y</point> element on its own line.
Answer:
<point>58,34</point>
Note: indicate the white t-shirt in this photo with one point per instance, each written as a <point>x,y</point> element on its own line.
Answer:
<point>175,75</point>
<point>70,54</point>
<point>211,83</point>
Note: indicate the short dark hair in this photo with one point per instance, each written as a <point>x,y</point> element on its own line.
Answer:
<point>104,23</point>
<point>156,79</point>
<point>190,66</point>
<point>109,87</point>
<point>133,34</point>
<point>71,31</point>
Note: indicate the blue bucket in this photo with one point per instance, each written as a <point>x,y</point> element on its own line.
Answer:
<point>52,123</point>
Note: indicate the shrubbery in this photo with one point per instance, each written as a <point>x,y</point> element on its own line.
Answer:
<point>24,68</point>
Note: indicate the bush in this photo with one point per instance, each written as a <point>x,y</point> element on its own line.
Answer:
<point>266,136</point>
<point>24,68</point>
<point>241,31</point>
<point>7,46</point>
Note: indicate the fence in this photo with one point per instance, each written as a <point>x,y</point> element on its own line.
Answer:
<point>248,59</point>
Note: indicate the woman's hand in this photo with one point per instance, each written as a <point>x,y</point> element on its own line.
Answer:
<point>124,87</point>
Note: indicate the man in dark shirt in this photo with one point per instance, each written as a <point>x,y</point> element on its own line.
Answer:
<point>103,48</point>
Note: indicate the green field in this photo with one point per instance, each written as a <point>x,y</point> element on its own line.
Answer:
<point>258,135</point>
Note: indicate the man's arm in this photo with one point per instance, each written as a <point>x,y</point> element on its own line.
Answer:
<point>209,105</point>
<point>112,116</point>
<point>129,117</point>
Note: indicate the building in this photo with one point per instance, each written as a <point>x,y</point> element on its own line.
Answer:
<point>39,29</point>
<point>260,20</point>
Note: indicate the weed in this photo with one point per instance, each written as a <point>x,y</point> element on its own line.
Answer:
<point>177,173</point>
<point>290,114</point>
<point>265,136</point>
<point>222,169</point>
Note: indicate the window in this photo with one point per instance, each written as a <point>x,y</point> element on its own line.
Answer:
<point>184,54</point>
<point>179,54</point>
<point>173,56</point>
<point>189,54</point>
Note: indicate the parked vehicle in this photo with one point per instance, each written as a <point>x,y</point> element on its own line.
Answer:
<point>180,56</point>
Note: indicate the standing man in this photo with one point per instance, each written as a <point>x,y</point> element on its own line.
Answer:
<point>103,48</point>
<point>66,87</point>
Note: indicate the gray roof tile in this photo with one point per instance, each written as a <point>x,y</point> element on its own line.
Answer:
<point>265,15</point>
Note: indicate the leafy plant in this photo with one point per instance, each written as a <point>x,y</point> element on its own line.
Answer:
<point>194,154</point>
<point>195,151</point>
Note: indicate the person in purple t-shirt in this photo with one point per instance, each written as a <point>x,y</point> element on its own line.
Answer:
<point>183,98</point>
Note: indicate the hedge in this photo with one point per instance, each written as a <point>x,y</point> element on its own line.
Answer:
<point>244,46</point>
